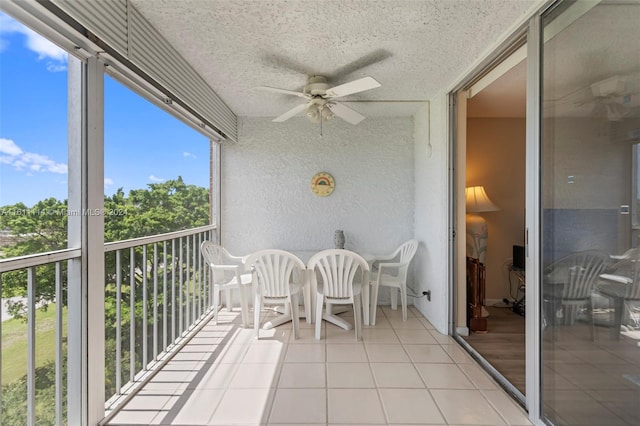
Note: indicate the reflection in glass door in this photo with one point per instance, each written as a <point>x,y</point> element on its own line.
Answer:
<point>589,213</point>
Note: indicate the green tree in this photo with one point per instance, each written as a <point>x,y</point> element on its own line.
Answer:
<point>164,207</point>
<point>38,229</point>
<point>161,208</point>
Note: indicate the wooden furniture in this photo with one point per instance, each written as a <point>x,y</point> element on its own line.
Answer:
<point>476,274</point>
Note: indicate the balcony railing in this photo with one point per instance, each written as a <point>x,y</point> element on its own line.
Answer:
<point>158,286</point>
<point>29,268</point>
<point>156,295</point>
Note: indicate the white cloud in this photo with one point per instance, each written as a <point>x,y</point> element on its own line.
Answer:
<point>9,147</point>
<point>51,67</point>
<point>34,42</point>
<point>8,24</point>
<point>14,156</point>
<point>188,154</point>
<point>155,179</point>
<point>108,181</point>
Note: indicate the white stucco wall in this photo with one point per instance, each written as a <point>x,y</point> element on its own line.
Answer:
<point>266,198</point>
<point>431,202</point>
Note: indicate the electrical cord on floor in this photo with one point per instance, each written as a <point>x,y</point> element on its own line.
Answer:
<point>506,277</point>
<point>413,293</point>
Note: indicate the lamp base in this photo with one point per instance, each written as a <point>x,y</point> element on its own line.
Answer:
<point>477,237</point>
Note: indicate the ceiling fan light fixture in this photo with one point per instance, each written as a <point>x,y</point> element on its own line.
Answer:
<point>326,114</point>
<point>610,86</point>
<point>318,111</point>
<point>313,114</point>
<point>319,93</point>
<point>616,112</point>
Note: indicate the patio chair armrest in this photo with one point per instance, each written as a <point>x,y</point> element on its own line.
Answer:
<point>620,279</point>
<point>375,258</point>
<point>225,267</point>
<point>389,266</point>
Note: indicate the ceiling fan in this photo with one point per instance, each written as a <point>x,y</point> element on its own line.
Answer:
<point>321,104</point>
<point>612,98</point>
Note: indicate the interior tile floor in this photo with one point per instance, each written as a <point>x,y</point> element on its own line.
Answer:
<point>400,373</point>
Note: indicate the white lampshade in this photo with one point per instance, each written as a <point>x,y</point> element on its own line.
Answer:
<point>477,200</point>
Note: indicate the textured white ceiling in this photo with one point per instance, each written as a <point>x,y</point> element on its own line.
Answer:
<point>505,97</point>
<point>599,45</point>
<point>413,48</point>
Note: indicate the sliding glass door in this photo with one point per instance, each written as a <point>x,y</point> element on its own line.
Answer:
<point>590,216</point>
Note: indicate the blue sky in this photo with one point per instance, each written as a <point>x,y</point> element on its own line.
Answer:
<point>143,144</point>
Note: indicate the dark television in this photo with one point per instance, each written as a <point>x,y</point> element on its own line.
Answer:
<point>518,260</point>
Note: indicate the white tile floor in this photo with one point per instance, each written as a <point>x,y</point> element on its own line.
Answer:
<point>400,373</point>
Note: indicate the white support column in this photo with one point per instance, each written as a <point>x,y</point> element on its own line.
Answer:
<point>215,186</point>
<point>93,192</point>
<point>533,341</point>
<point>76,295</point>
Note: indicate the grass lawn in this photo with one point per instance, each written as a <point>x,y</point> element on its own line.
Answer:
<point>14,343</point>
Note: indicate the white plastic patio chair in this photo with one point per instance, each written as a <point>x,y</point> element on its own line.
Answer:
<point>394,276</point>
<point>621,284</point>
<point>225,275</point>
<point>337,271</point>
<point>275,273</point>
<point>568,284</point>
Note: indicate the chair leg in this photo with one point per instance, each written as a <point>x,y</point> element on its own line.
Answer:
<point>403,300</point>
<point>295,315</point>
<point>257,307</point>
<point>228,299</point>
<point>216,303</point>
<point>393,293</point>
<point>365,304</point>
<point>319,303</point>
<point>244,306</point>
<point>306,294</point>
<point>357,314</point>
<point>374,302</point>
<point>593,325</point>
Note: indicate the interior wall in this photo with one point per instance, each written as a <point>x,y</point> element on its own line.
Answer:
<point>577,201</point>
<point>267,201</point>
<point>496,160</point>
<point>598,151</point>
<point>431,263</point>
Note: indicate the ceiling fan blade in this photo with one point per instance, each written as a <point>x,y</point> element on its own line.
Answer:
<point>346,113</point>
<point>285,91</point>
<point>293,111</point>
<point>354,86</point>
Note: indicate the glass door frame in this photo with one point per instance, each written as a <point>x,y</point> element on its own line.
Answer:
<point>457,109</point>
<point>531,31</point>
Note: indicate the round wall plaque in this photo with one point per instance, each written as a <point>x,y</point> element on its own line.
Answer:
<point>322,184</point>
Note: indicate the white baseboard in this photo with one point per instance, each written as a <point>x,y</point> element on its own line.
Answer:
<point>462,331</point>
<point>491,302</point>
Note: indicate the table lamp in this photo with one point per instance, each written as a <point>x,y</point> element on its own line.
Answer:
<point>477,201</point>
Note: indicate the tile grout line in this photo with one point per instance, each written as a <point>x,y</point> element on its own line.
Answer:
<point>378,391</point>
